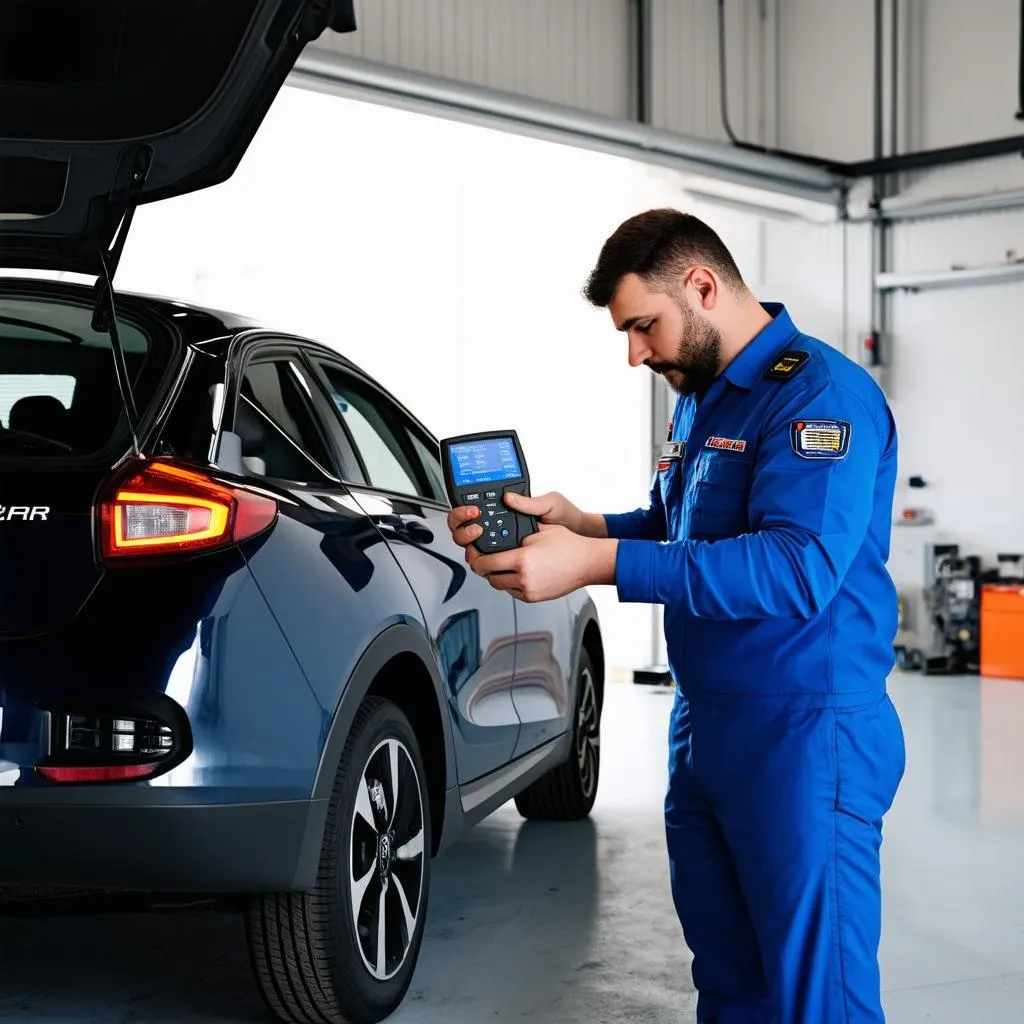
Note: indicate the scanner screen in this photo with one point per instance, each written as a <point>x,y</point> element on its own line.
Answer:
<point>479,462</point>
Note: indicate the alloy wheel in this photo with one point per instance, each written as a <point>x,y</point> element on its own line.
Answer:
<point>386,870</point>
<point>588,733</point>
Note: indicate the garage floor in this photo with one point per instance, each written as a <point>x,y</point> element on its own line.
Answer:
<point>575,923</point>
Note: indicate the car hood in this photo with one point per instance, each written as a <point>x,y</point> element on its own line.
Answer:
<point>107,104</point>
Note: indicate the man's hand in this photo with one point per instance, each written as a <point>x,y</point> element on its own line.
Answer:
<point>552,509</point>
<point>548,564</point>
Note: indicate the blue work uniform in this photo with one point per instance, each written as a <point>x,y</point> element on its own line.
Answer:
<point>766,539</point>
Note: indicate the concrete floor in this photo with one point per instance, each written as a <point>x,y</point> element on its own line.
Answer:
<point>575,923</point>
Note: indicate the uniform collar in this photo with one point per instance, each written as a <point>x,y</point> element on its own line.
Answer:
<point>761,350</point>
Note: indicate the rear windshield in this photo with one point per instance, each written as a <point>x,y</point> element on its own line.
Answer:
<point>96,70</point>
<point>59,396</point>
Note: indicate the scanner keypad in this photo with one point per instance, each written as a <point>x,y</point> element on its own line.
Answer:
<point>497,521</point>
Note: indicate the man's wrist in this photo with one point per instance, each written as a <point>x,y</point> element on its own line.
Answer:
<point>591,525</point>
<point>602,561</point>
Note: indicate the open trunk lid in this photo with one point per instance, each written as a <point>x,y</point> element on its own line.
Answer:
<point>106,104</point>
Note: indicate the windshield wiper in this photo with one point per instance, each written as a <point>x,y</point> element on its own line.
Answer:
<point>104,317</point>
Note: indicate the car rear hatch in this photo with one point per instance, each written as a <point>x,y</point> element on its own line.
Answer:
<point>107,105</point>
<point>62,428</point>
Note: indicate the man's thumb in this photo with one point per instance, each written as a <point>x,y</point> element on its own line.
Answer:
<point>528,506</point>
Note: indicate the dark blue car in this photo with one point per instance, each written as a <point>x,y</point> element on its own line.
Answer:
<point>240,652</point>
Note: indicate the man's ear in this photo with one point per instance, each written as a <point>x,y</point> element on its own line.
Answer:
<point>705,285</point>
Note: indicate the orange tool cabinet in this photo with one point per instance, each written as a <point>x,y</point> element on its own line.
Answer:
<point>1002,630</point>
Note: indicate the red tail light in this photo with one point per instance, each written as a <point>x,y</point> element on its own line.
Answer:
<point>159,508</point>
<point>113,773</point>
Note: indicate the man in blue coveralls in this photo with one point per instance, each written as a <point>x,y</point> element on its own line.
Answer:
<point>766,539</point>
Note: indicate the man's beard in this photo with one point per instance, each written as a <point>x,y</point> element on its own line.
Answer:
<point>696,365</point>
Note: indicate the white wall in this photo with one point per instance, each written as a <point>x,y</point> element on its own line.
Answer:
<point>445,259</point>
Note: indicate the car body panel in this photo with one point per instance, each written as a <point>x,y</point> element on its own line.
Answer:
<point>199,632</point>
<point>543,688</point>
<point>471,626</point>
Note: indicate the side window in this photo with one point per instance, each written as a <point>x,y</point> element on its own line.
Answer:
<point>431,460</point>
<point>275,419</point>
<point>378,436</point>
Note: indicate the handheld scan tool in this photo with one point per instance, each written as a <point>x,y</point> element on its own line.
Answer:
<point>479,469</point>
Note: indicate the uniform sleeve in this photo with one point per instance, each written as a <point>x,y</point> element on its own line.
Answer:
<point>642,524</point>
<point>811,501</point>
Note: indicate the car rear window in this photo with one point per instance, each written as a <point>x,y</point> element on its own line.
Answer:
<point>59,396</point>
<point>94,70</point>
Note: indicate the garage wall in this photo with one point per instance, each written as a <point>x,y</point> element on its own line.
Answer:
<point>956,383</point>
<point>581,53</point>
<point>957,80</point>
<point>574,52</point>
<point>799,72</point>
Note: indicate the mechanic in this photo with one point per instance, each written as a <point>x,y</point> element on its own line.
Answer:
<point>766,539</point>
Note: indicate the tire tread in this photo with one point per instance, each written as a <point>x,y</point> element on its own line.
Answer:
<point>298,973</point>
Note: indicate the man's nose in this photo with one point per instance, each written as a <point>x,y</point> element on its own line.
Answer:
<point>639,350</point>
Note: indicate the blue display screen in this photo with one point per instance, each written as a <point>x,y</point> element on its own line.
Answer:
<point>480,462</point>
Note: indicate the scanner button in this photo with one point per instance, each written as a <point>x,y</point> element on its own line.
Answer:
<point>504,533</point>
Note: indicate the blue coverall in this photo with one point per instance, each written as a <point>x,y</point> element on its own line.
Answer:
<point>766,540</point>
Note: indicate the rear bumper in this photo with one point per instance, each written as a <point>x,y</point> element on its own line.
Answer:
<point>160,846</point>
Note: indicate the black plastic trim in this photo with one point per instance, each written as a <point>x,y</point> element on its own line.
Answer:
<point>161,847</point>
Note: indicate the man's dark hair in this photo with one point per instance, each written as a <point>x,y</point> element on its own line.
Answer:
<point>658,246</point>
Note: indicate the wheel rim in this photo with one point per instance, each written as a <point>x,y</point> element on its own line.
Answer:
<point>588,734</point>
<point>386,863</point>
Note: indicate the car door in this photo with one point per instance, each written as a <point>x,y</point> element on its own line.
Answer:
<point>327,572</point>
<point>473,625</point>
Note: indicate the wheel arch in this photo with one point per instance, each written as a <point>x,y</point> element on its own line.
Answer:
<point>398,665</point>
<point>588,637</point>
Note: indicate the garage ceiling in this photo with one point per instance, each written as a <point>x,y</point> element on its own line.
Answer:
<point>576,71</point>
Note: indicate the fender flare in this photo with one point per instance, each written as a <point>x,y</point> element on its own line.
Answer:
<point>398,639</point>
<point>586,616</point>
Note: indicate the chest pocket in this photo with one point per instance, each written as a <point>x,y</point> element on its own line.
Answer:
<point>720,494</point>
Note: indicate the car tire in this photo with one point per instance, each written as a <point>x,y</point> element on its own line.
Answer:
<point>568,792</point>
<point>316,959</point>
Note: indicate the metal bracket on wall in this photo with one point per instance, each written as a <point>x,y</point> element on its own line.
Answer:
<point>954,278</point>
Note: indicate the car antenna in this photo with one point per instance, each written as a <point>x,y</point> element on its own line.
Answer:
<point>104,316</point>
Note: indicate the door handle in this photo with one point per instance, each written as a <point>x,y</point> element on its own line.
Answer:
<point>405,529</point>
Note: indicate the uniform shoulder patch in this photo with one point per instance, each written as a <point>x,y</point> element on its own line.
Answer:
<point>820,439</point>
<point>787,365</point>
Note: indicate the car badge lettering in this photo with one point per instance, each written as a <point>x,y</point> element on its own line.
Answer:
<point>24,513</point>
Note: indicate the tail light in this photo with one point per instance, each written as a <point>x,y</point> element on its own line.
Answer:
<point>159,508</point>
<point>107,743</point>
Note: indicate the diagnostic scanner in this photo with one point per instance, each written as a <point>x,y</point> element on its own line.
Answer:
<point>480,469</point>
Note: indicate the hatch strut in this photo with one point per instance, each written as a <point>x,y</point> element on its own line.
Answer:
<point>104,317</point>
